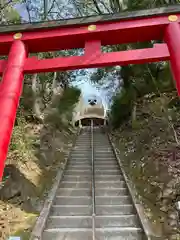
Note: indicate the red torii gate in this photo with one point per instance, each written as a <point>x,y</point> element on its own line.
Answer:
<point>17,41</point>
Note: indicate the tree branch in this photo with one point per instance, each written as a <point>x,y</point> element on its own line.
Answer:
<point>5,5</point>
<point>28,10</point>
<point>52,6</point>
<point>77,8</point>
<point>45,8</point>
<point>34,83</point>
<point>104,5</point>
<point>119,5</point>
<point>97,7</point>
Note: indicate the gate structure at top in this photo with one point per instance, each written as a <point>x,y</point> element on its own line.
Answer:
<point>17,41</point>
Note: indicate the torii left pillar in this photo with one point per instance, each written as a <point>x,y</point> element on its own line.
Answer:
<point>10,92</point>
<point>172,38</point>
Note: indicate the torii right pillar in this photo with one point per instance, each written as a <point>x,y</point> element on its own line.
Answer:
<point>172,39</point>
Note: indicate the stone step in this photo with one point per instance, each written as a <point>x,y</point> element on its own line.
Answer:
<point>75,184</point>
<point>73,200</point>
<point>69,222</point>
<point>81,154</point>
<point>76,210</point>
<point>110,184</point>
<point>115,209</point>
<point>79,161</point>
<point>111,192</point>
<point>74,192</point>
<point>77,234</point>
<point>87,166</point>
<point>78,172</point>
<point>106,163</point>
<point>79,165</point>
<point>80,178</point>
<point>86,221</point>
<point>102,167</point>
<point>114,200</point>
<point>116,221</point>
<point>82,147</point>
<point>107,171</point>
<point>80,158</point>
<point>101,234</point>
<point>103,149</point>
<point>105,158</point>
<point>79,168</point>
<point>108,177</point>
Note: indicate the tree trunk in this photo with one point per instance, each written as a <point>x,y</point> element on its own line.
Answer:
<point>36,100</point>
<point>133,115</point>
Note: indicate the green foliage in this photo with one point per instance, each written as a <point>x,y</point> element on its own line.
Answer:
<point>9,15</point>
<point>26,101</point>
<point>146,4</point>
<point>68,99</point>
<point>63,106</point>
<point>21,143</point>
<point>138,82</point>
<point>121,108</point>
<point>13,15</point>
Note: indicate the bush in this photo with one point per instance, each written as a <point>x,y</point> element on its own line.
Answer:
<point>121,108</point>
<point>62,108</point>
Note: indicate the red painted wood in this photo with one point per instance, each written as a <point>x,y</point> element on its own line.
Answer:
<point>3,64</point>
<point>10,91</point>
<point>124,31</point>
<point>92,47</point>
<point>158,53</point>
<point>33,65</point>
<point>172,38</point>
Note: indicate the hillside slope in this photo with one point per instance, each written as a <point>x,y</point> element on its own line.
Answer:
<point>150,151</point>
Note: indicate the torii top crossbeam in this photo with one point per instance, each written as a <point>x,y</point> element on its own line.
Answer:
<point>126,27</point>
<point>17,41</point>
<point>91,33</point>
